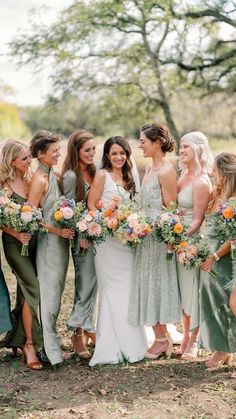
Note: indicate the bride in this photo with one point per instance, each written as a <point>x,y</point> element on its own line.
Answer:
<point>116,338</point>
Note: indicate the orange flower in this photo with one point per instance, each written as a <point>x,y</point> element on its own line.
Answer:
<point>108,212</point>
<point>26,208</point>
<point>58,215</point>
<point>228,213</point>
<point>182,245</point>
<point>178,228</point>
<point>147,228</point>
<point>91,213</point>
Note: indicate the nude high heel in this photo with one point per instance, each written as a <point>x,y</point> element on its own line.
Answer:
<point>168,351</point>
<point>78,342</point>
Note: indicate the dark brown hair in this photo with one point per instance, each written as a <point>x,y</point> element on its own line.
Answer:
<point>41,141</point>
<point>127,167</point>
<point>157,132</point>
<point>72,162</point>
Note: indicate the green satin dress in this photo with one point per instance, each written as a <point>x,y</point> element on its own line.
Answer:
<point>52,264</point>
<point>84,312</point>
<point>5,306</point>
<point>217,323</point>
<point>24,269</point>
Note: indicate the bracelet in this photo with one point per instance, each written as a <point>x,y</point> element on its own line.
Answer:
<point>216,257</point>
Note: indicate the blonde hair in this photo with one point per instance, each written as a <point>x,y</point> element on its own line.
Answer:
<point>10,151</point>
<point>225,166</point>
<point>203,156</point>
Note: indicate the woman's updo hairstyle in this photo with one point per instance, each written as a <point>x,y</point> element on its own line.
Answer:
<point>158,132</point>
<point>41,141</point>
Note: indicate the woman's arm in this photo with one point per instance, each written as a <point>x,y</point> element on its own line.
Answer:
<point>222,251</point>
<point>37,190</point>
<point>201,197</point>
<point>168,182</point>
<point>96,189</point>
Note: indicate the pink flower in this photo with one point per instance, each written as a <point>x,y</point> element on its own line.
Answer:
<point>191,251</point>
<point>94,229</point>
<point>181,258</point>
<point>4,200</point>
<point>115,202</point>
<point>99,204</point>
<point>165,217</point>
<point>67,213</point>
<point>112,223</point>
<point>82,226</point>
<point>26,216</point>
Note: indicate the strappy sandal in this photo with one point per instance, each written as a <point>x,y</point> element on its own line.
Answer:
<point>33,365</point>
<point>167,351</point>
<point>78,341</point>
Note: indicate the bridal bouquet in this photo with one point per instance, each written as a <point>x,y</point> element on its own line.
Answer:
<point>66,213</point>
<point>225,223</point>
<point>193,252</point>
<point>92,227</point>
<point>3,200</point>
<point>25,218</point>
<point>126,221</point>
<point>170,227</point>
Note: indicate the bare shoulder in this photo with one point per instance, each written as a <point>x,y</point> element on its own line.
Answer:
<point>201,183</point>
<point>100,175</point>
<point>39,178</point>
<point>168,170</point>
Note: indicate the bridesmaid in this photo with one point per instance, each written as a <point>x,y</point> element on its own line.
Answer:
<point>26,333</point>
<point>217,311</point>
<point>154,298</point>
<point>5,306</point>
<point>193,194</point>
<point>77,175</point>
<point>52,248</point>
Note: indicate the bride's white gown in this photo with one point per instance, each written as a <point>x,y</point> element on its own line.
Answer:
<point>116,338</point>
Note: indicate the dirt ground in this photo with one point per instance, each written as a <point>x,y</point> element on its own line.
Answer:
<point>149,389</point>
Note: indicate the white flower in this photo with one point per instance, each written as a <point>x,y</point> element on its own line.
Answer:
<point>132,217</point>
<point>26,216</point>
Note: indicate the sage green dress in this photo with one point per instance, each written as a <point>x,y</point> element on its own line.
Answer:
<point>84,312</point>
<point>24,269</point>
<point>52,264</point>
<point>217,323</point>
<point>5,306</point>
<point>188,279</point>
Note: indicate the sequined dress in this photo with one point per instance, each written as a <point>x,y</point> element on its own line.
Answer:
<point>154,296</point>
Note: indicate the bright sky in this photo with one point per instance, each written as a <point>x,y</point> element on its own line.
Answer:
<point>14,16</point>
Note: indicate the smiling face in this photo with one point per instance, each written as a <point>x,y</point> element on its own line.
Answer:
<point>186,153</point>
<point>148,147</point>
<point>117,156</point>
<point>87,152</point>
<point>51,156</point>
<point>23,161</point>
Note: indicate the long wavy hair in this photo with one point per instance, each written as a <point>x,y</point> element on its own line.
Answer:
<point>126,168</point>
<point>10,151</point>
<point>202,155</point>
<point>72,161</point>
<point>225,166</point>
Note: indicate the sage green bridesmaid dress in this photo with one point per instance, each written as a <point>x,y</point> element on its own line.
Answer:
<point>84,312</point>
<point>52,263</point>
<point>217,322</point>
<point>24,269</point>
<point>188,279</point>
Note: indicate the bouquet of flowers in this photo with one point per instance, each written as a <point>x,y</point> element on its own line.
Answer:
<point>66,213</point>
<point>193,252</point>
<point>3,200</point>
<point>126,221</point>
<point>25,218</point>
<point>91,227</point>
<point>170,227</point>
<point>225,223</point>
